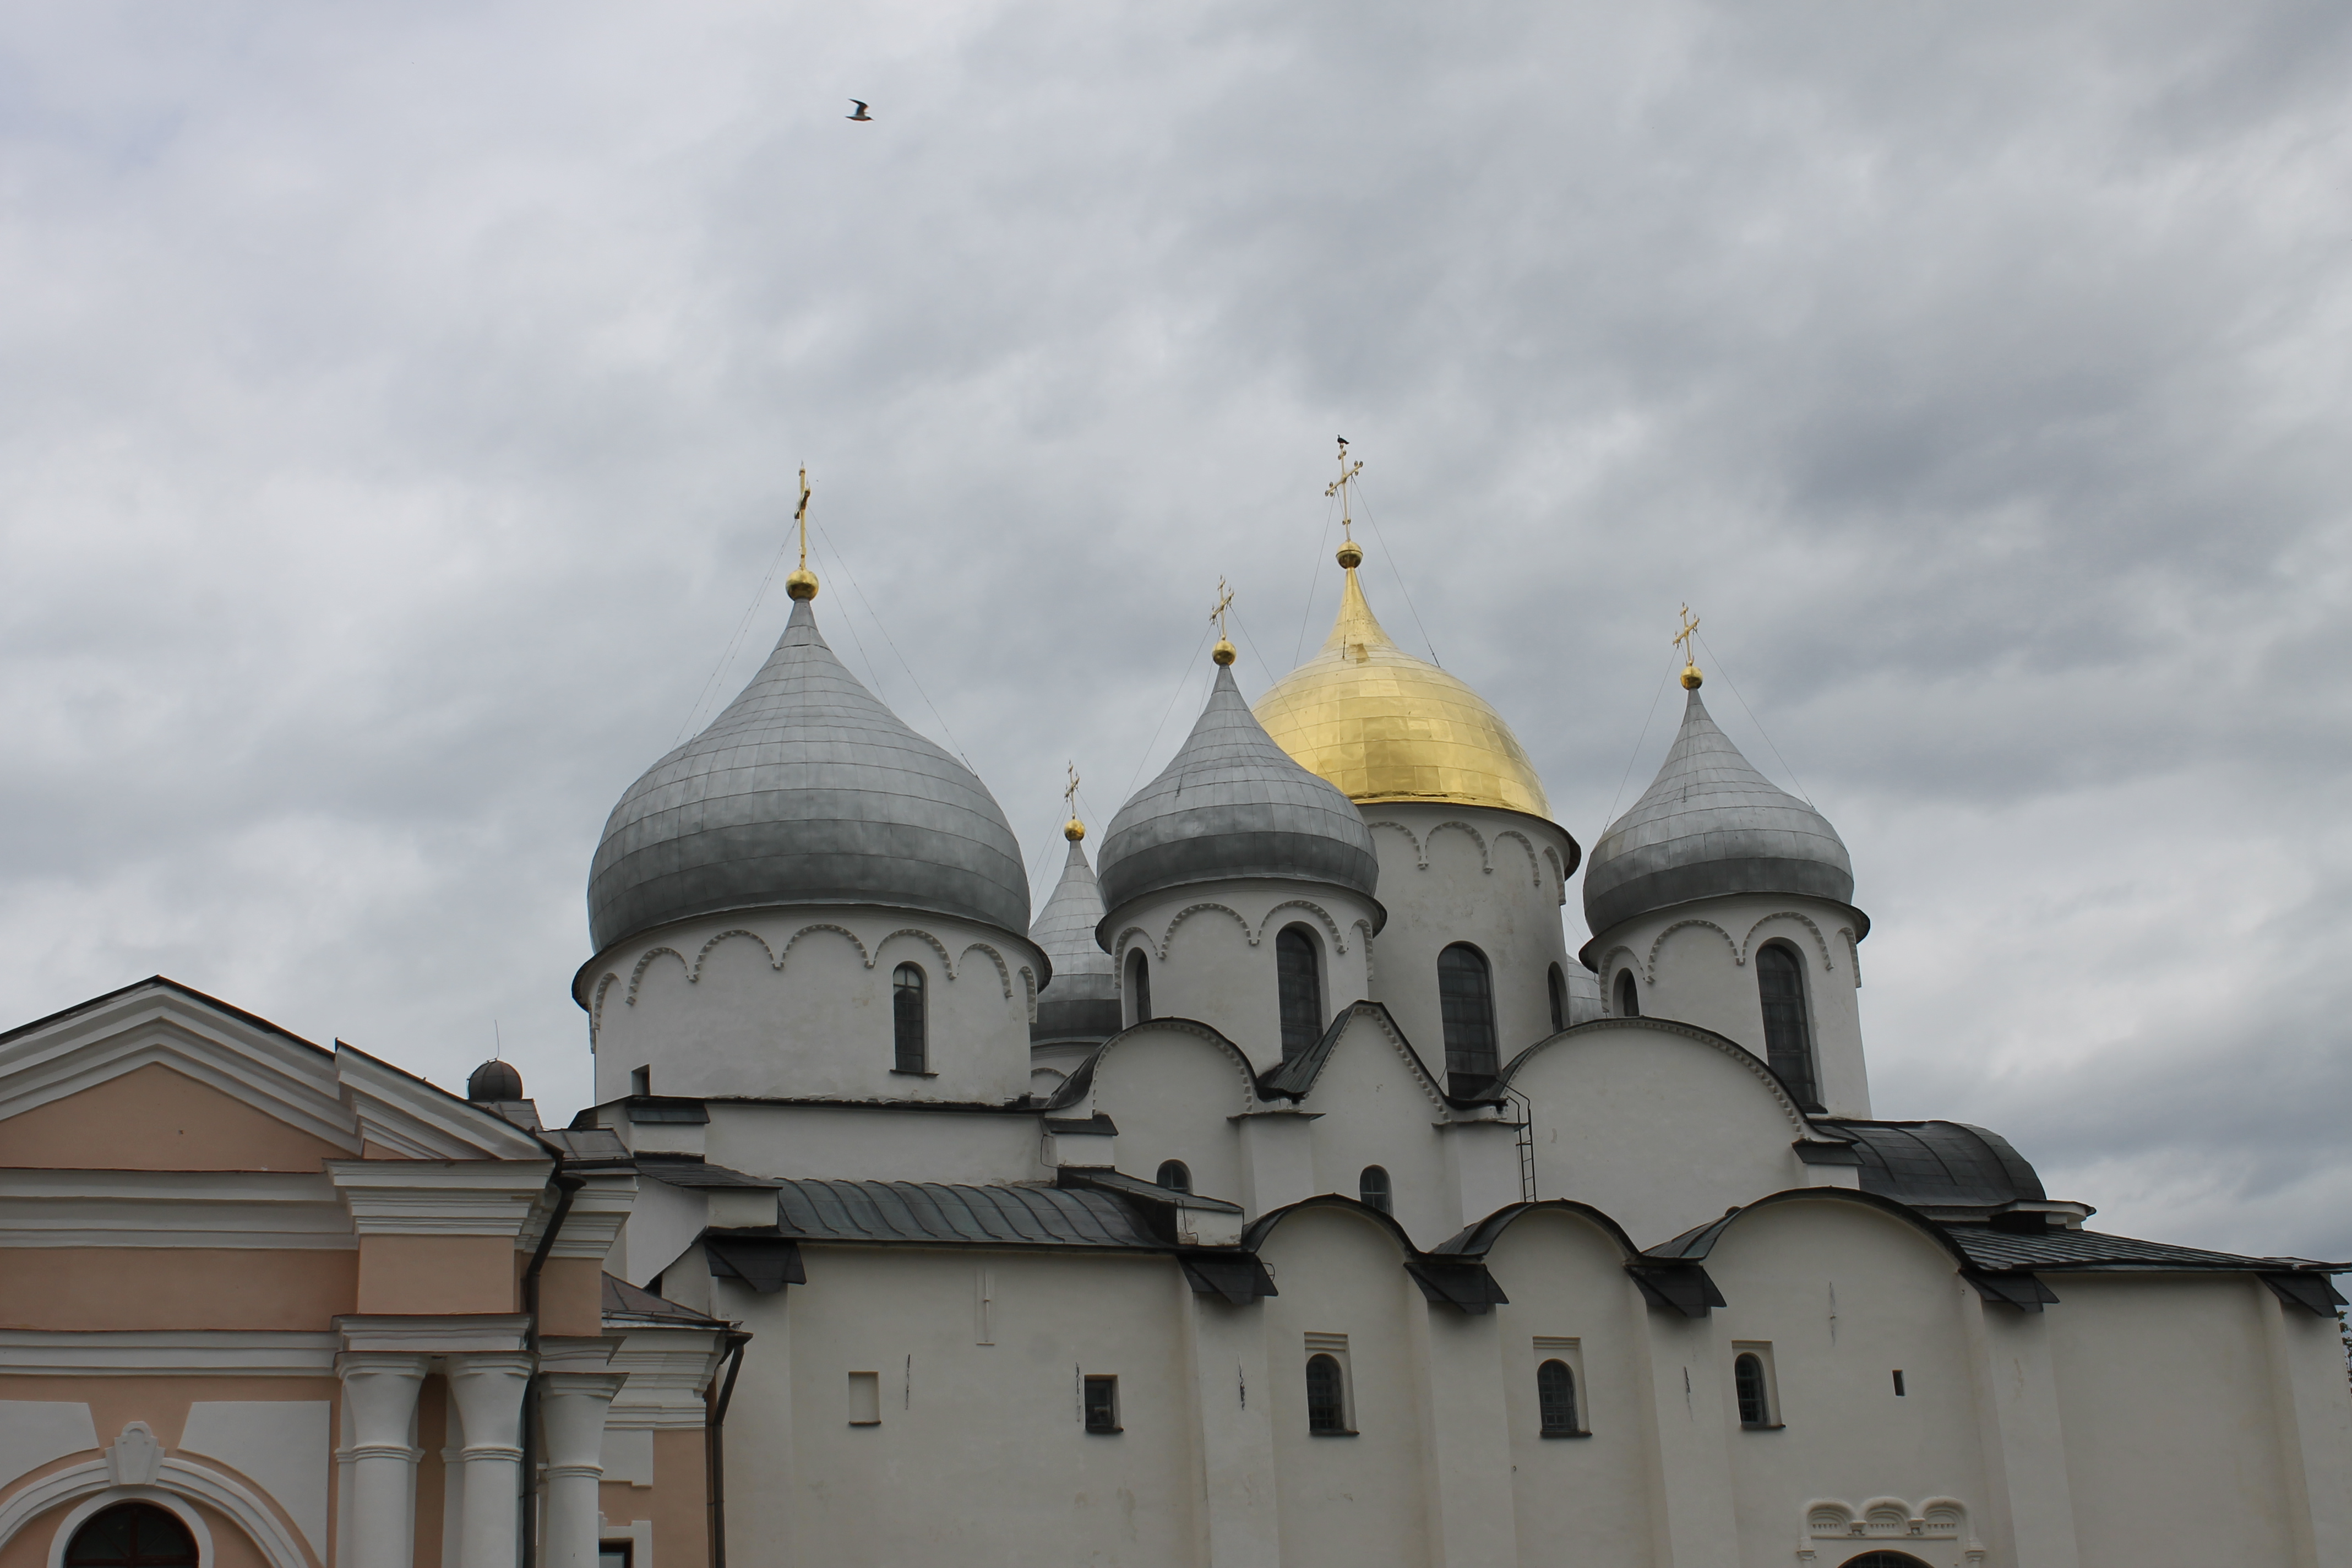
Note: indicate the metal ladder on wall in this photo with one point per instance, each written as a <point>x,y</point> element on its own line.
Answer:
<point>1526,1110</point>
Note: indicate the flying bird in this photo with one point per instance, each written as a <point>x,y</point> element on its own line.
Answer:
<point>861,113</point>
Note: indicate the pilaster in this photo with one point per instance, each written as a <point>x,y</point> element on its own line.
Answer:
<point>1465,1437</point>
<point>2018,1424</point>
<point>380,1392</point>
<point>1233,1422</point>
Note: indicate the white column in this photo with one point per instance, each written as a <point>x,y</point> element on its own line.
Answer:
<point>1233,1410</point>
<point>1465,1435</point>
<point>1685,1426</point>
<point>571,1413</point>
<point>489,1392</point>
<point>380,1395</point>
<point>2024,1449</point>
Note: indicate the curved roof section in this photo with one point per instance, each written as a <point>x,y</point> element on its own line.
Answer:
<point>805,790</point>
<point>1707,826</point>
<point>1230,803</point>
<point>1381,725</point>
<point>1082,1001</point>
<point>1940,1163</point>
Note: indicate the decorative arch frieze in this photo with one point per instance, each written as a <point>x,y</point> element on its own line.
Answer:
<point>1029,985</point>
<point>1420,854</point>
<point>1853,954</point>
<point>645,960</point>
<point>1485,850</point>
<point>937,946</point>
<point>1535,867</point>
<point>1883,1519</point>
<point>1189,911</point>
<point>1601,969</point>
<point>1339,939</point>
<point>1559,872</point>
<point>1365,926</point>
<point>694,973</point>
<point>1650,968</point>
<point>849,936</point>
<point>1118,953</point>
<point>596,1005</point>
<point>1434,1091</point>
<point>1748,945</point>
<point>1003,975</point>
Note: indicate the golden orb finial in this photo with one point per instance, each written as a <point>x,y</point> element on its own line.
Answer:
<point>1074,830</point>
<point>1225,652</point>
<point>801,583</point>
<point>1692,677</point>
<point>1688,640</point>
<point>1351,555</point>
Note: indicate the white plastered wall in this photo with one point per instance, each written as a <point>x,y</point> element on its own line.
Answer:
<point>1212,950</point>
<point>1696,962</point>
<point>796,1002</point>
<point>1459,873</point>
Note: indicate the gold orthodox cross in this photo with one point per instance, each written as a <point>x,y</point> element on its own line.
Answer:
<point>1338,487</point>
<point>1070,794</point>
<point>1683,639</point>
<point>800,516</point>
<point>1224,602</point>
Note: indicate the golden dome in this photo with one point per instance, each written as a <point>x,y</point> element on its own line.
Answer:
<point>1382,725</point>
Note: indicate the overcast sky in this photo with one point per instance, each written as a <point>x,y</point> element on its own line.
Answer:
<point>399,407</point>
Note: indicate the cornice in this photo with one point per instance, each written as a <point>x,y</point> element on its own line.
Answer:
<point>500,1333</point>
<point>144,1352</point>
<point>437,1197</point>
<point>262,1209</point>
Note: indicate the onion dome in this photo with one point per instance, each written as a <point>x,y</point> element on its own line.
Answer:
<point>494,1080</point>
<point>1230,803</point>
<point>1382,725</point>
<point>1712,825</point>
<point>1082,1001</point>
<point>805,790</point>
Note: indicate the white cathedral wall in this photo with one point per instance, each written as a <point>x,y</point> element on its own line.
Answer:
<point>1843,1296</point>
<point>1566,1282</point>
<point>1172,1094</point>
<point>1457,873</point>
<point>1661,1131</point>
<point>1210,948</point>
<point>980,1455</point>
<point>1696,962</point>
<point>796,1002</point>
<point>1372,1109</point>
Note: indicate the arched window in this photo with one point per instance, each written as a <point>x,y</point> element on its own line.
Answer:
<point>907,1022</point>
<point>1139,985</point>
<point>1327,1396</point>
<point>1558,986</point>
<point>1629,996</point>
<point>1555,1399</point>
<point>1372,1186</point>
<point>133,1535</point>
<point>1174,1174</point>
<point>1787,1041</point>
<point>1302,991</point>
<point>1755,1397</point>
<point>1465,999</point>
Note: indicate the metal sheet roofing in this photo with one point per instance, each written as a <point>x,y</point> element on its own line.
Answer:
<point>2062,1249</point>
<point>934,1212</point>
<point>1940,1163</point>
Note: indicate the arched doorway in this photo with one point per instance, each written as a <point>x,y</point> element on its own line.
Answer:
<point>1882,1560</point>
<point>131,1535</point>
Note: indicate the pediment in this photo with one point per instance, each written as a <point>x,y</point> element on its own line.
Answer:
<point>160,1077</point>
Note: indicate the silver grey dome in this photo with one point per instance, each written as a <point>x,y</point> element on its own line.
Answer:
<point>805,790</point>
<point>1231,803</point>
<point>1712,825</point>
<point>1082,1003</point>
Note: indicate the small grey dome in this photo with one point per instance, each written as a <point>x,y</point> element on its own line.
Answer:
<point>1231,803</point>
<point>1712,825</point>
<point>805,790</point>
<point>494,1080</point>
<point>1082,1003</point>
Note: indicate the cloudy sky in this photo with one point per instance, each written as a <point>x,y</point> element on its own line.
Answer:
<point>402,407</point>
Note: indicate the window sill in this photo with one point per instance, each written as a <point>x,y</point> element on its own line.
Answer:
<point>1311,1433</point>
<point>1762,1426</point>
<point>1105,1431</point>
<point>866,1424</point>
<point>910,1072</point>
<point>1548,1435</point>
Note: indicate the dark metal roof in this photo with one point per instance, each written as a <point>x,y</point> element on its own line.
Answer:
<point>623,1299</point>
<point>1939,1163</point>
<point>1231,803</point>
<point>805,790</point>
<point>694,1171</point>
<point>2057,1249</point>
<point>1710,825</point>
<point>933,1211</point>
